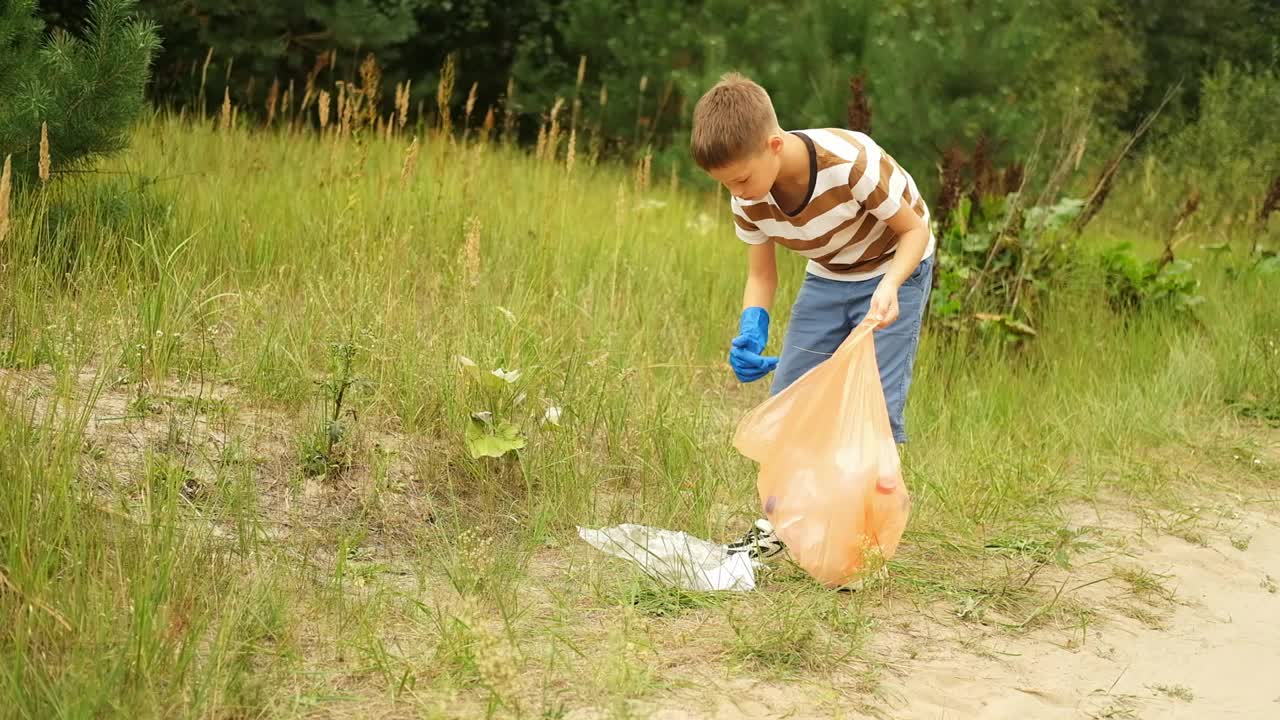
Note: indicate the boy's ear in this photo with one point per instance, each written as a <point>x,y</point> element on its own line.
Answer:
<point>774,143</point>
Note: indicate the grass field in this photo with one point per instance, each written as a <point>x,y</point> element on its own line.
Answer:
<point>234,477</point>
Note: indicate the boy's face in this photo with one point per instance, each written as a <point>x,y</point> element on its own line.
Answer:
<point>751,177</point>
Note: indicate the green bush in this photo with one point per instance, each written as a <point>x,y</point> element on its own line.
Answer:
<point>88,89</point>
<point>1231,151</point>
<point>1133,283</point>
<point>997,261</point>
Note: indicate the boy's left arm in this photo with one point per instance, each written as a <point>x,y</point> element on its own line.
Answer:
<point>913,240</point>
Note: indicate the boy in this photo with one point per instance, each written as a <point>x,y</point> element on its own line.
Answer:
<point>835,197</point>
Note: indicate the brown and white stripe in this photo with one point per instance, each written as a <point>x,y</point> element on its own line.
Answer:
<point>841,227</point>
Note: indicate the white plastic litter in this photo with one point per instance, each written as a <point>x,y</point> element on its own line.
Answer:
<point>674,557</point>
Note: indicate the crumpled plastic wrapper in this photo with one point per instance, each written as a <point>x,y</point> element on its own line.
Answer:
<point>675,558</point>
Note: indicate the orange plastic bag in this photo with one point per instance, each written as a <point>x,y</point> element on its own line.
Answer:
<point>830,479</point>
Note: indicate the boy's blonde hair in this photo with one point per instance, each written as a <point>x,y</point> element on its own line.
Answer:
<point>731,122</point>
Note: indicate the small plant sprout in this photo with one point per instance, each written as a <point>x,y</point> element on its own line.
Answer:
<point>487,437</point>
<point>492,432</point>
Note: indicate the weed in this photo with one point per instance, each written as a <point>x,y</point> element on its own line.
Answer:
<point>1177,692</point>
<point>1120,708</point>
<point>469,652</point>
<point>626,670</point>
<point>651,598</point>
<point>1143,615</point>
<point>321,451</point>
<point>1144,584</point>
<point>786,636</point>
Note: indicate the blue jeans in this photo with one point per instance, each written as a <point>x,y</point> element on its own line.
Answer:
<point>826,311</point>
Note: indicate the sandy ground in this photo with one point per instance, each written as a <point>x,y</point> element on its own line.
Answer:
<point>1210,648</point>
<point>1217,656</point>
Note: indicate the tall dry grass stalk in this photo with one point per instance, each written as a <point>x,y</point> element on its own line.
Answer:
<point>204,77</point>
<point>675,179</point>
<point>444,94</point>
<point>540,149</point>
<point>509,110</point>
<point>370,89</point>
<point>471,252</point>
<point>577,93</point>
<point>553,134</point>
<point>342,100</point>
<point>643,171</point>
<point>225,115</point>
<point>5,190</point>
<point>470,106</point>
<point>350,115</point>
<point>44,152</point>
<point>305,104</point>
<point>286,104</point>
<point>324,110</point>
<point>402,103</point>
<point>310,93</point>
<point>486,128</point>
<point>571,153</point>
<point>410,162</point>
<point>582,74</point>
<point>273,98</point>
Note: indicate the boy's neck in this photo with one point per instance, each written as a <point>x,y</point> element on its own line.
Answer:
<point>793,174</point>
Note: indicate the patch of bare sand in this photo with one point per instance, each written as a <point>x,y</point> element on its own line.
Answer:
<point>209,425</point>
<point>1216,655</point>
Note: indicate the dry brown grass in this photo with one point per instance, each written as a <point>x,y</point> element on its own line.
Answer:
<point>471,252</point>
<point>324,109</point>
<point>44,152</point>
<point>225,116</point>
<point>570,154</point>
<point>273,99</point>
<point>410,162</point>
<point>5,191</point>
<point>552,148</point>
<point>402,103</point>
<point>444,94</point>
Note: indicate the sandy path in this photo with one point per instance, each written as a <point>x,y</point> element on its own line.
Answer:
<point>1215,652</point>
<point>1221,643</point>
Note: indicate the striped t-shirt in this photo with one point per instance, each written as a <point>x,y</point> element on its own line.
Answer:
<point>854,187</point>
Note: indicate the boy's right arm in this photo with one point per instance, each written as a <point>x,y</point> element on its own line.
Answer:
<point>762,276</point>
<point>753,327</point>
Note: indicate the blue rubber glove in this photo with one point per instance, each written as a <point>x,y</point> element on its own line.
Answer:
<point>744,356</point>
